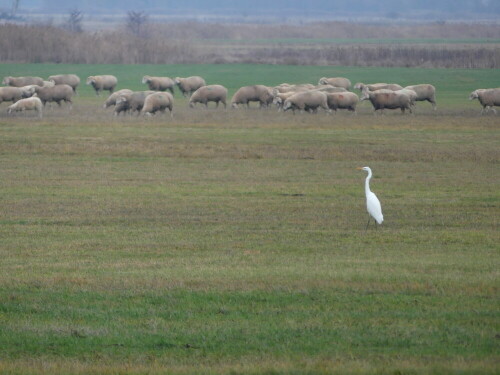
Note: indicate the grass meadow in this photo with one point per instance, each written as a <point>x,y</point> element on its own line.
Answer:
<point>234,242</point>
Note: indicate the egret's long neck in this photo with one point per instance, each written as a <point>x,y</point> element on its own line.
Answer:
<point>367,182</point>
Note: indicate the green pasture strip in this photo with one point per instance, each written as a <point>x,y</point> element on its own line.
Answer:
<point>453,85</point>
<point>312,41</point>
<point>222,242</point>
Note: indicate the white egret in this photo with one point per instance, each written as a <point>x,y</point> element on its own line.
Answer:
<point>372,203</point>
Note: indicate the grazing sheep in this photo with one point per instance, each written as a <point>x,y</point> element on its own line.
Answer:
<point>57,93</point>
<point>378,86</point>
<point>488,98</point>
<point>425,92</point>
<point>111,100</point>
<point>342,100</point>
<point>335,81</point>
<point>411,94</point>
<point>22,81</point>
<point>66,79</point>
<point>11,94</point>
<point>210,93</point>
<point>99,83</point>
<point>159,83</point>
<point>28,104</point>
<point>279,99</point>
<point>308,101</point>
<point>158,101</point>
<point>131,102</point>
<point>382,99</point>
<point>190,84</point>
<point>255,93</point>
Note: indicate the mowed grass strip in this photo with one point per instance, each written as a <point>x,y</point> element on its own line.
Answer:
<point>220,242</point>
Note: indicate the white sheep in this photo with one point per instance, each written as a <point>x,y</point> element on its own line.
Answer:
<point>28,104</point>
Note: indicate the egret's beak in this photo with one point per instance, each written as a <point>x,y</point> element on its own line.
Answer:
<point>361,168</point>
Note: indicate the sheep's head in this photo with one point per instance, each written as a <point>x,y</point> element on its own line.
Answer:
<point>177,80</point>
<point>121,100</point>
<point>365,94</point>
<point>146,79</point>
<point>90,80</point>
<point>6,80</point>
<point>287,105</point>
<point>474,95</point>
<point>277,101</point>
<point>234,105</point>
<point>323,81</point>
<point>359,86</point>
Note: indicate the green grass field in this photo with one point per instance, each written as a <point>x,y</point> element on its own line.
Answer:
<point>234,242</point>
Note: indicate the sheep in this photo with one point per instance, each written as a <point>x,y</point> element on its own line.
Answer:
<point>66,79</point>
<point>280,98</point>
<point>342,100</point>
<point>308,100</point>
<point>99,83</point>
<point>335,81</point>
<point>11,94</point>
<point>329,88</point>
<point>189,85</point>
<point>389,99</point>
<point>425,92</point>
<point>294,88</point>
<point>158,101</point>
<point>27,104</point>
<point>378,86</point>
<point>28,91</point>
<point>159,83</point>
<point>255,93</point>
<point>131,102</point>
<point>488,98</point>
<point>48,84</point>
<point>210,93</point>
<point>111,100</point>
<point>22,81</point>
<point>57,93</point>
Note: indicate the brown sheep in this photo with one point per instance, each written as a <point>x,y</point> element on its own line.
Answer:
<point>66,79</point>
<point>57,93</point>
<point>308,100</point>
<point>387,99</point>
<point>335,81</point>
<point>111,100</point>
<point>158,101</point>
<point>342,100</point>
<point>425,92</point>
<point>105,82</point>
<point>254,93</point>
<point>11,94</point>
<point>189,85</point>
<point>488,98</point>
<point>22,81</point>
<point>27,104</point>
<point>210,93</point>
<point>159,83</point>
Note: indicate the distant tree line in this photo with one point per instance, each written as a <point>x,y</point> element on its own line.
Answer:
<point>201,43</point>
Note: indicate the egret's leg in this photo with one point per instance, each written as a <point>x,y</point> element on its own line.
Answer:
<point>368,223</point>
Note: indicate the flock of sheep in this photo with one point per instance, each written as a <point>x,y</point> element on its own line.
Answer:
<point>330,94</point>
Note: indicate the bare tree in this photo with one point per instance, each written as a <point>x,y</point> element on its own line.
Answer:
<point>74,22</point>
<point>136,23</point>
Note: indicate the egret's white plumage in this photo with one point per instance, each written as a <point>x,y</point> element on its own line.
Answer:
<point>372,203</point>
